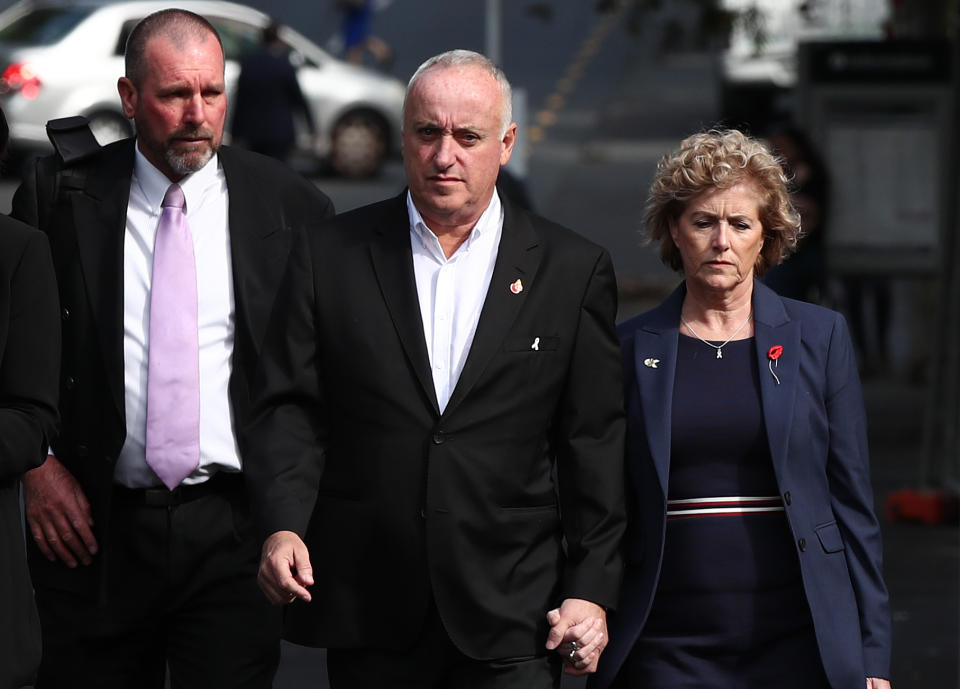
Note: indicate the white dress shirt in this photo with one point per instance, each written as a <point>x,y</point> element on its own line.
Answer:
<point>207,214</point>
<point>452,291</point>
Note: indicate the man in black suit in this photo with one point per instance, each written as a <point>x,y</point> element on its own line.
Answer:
<point>134,575</point>
<point>438,424</point>
<point>29,361</point>
<point>268,98</point>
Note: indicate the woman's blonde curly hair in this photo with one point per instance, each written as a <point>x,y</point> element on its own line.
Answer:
<point>721,158</point>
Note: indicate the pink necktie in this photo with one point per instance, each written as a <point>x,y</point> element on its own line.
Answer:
<point>173,374</point>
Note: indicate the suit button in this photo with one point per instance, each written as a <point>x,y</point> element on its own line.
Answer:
<point>423,513</point>
<point>82,450</point>
<point>439,438</point>
<point>70,383</point>
<point>802,544</point>
<point>65,313</point>
<point>787,499</point>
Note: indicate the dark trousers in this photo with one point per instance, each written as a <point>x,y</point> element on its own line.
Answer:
<point>434,662</point>
<point>180,591</point>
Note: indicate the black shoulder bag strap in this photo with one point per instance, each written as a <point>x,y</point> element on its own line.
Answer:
<point>74,143</point>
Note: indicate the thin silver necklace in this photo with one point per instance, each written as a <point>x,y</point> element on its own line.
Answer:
<point>718,347</point>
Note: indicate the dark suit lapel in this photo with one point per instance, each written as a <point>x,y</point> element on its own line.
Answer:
<point>772,328</point>
<point>393,265</point>
<point>99,219</point>
<point>518,258</point>
<point>258,245</point>
<point>655,350</point>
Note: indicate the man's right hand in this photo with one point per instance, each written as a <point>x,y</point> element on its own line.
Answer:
<point>58,514</point>
<point>285,569</point>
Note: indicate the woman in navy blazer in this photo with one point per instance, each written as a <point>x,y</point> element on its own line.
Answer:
<point>753,552</point>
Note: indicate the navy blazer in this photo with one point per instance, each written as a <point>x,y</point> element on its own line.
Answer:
<point>816,427</point>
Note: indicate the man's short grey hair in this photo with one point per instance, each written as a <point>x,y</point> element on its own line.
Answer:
<point>459,58</point>
<point>181,27</point>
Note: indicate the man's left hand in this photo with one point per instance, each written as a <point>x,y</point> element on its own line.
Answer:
<point>579,622</point>
<point>877,683</point>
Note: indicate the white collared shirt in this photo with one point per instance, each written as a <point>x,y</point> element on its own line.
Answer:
<point>452,291</point>
<point>207,206</point>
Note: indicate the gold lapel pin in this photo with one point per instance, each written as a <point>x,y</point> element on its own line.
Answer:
<point>651,363</point>
<point>516,287</point>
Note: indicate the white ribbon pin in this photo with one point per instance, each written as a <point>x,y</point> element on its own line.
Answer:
<point>536,344</point>
<point>651,363</point>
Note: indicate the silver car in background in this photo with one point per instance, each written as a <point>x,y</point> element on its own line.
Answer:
<point>59,59</point>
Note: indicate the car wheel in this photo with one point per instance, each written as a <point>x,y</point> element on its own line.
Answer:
<point>358,145</point>
<point>108,127</point>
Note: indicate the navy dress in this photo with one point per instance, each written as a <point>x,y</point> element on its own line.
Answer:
<point>729,611</point>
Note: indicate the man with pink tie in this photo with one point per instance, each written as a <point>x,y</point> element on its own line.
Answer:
<point>169,250</point>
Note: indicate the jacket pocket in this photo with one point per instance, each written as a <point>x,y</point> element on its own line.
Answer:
<point>830,538</point>
<point>521,510</point>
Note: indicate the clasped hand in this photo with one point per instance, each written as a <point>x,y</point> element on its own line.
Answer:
<point>579,622</point>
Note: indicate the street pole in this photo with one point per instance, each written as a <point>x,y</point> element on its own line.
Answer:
<point>494,38</point>
<point>494,50</point>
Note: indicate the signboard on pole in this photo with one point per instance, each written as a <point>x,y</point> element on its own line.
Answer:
<point>879,110</point>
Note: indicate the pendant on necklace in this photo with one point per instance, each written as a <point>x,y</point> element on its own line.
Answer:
<point>719,352</point>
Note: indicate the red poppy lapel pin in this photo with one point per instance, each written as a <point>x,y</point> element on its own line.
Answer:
<point>773,354</point>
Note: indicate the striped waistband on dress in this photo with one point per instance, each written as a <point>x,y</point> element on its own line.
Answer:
<point>723,506</point>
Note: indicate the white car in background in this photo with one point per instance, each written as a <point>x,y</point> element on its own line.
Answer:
<point>59,59</point>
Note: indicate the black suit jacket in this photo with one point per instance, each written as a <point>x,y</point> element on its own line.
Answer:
<point>86,232</point>
<point>399,503</point>
<point>29,360</point>
<point>268,97</point>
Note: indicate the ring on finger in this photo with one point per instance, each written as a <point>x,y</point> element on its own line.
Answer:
<point>572,656</point>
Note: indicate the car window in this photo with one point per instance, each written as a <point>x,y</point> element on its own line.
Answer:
<point>238,38</point>
<point>121,47</point>
<point>43,26</point>
<point>298,59</point>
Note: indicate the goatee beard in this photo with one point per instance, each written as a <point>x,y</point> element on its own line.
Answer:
<point>185,162</point>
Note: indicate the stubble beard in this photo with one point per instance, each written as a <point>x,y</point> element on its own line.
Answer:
<point>185,161</point>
